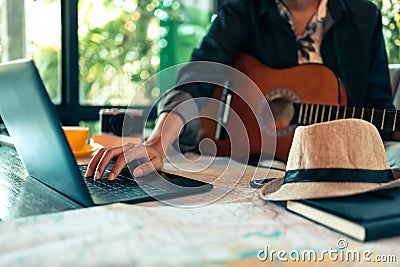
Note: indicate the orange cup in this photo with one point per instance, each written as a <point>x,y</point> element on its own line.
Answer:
<point>77,136</point>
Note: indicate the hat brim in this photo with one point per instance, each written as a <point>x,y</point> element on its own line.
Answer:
<point>276,190</point>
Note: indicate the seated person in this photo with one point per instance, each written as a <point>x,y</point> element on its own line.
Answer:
<point>344,35</point>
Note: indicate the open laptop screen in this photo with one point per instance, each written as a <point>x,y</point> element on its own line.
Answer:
<point>33,124</point>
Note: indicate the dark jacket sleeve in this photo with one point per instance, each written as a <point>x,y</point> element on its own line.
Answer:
<point>195,80</point>
<point>379,92</point>
<point>361,55</point>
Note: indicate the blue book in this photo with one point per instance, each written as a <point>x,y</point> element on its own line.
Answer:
<point>363,217</point>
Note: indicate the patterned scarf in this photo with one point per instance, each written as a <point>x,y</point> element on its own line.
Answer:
<point>308,44</point>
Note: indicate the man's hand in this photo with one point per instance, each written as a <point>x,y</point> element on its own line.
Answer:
<point>150,154</point>
<point>151,159</point>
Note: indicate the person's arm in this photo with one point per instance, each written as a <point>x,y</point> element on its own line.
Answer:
<point>196,81</point>
<point>151,153</point>
<point>228,34</point>
<point>221,44</point>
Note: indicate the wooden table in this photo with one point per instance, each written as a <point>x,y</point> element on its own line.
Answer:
<point>22,195</point>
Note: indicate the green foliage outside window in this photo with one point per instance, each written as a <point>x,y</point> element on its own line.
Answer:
<point>118,49</point>
<point>120,44</point>
<point>391,27</point>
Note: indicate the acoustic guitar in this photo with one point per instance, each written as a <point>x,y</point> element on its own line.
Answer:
<point>268,104</point>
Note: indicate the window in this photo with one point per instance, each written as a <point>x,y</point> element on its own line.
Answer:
<point>123,43</point>
<point>33,36</point>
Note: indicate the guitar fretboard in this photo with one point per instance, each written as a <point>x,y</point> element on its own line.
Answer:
<point>307,114</point>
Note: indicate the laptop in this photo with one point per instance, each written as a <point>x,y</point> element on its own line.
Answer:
<point>32,122</point>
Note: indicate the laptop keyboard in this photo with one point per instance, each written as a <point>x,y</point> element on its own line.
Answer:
<point>122,186</point>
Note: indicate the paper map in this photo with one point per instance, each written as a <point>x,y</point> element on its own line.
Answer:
<point>127,235</point>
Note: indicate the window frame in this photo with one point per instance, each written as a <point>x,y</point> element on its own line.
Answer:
<point>70,111</point>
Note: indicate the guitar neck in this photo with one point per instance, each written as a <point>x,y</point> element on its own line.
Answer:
<point>307,114</point>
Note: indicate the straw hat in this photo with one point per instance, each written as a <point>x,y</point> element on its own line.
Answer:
<point>330,159</point>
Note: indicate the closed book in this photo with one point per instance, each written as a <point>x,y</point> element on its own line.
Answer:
<point>363,217</point>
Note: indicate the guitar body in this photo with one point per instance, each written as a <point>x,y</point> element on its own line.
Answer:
<point>309,83</point>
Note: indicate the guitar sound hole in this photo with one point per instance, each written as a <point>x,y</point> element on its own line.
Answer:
<point>280,104</point>
<point>283,111</point>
